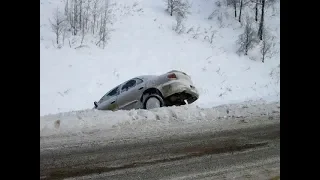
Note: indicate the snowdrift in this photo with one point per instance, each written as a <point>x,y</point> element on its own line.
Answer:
<point>89,123</point>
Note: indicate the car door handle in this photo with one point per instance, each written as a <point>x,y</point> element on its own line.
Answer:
<point>113,102</point>
<point>140,88</point>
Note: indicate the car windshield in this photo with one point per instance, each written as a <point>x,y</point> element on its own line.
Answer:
<point>112,93</point>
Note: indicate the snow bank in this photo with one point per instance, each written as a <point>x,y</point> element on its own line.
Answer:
<point>143,42</point>
<point>93,122</point>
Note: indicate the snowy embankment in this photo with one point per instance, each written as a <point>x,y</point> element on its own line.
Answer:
<point>139,123</point>
<point>143,42</point>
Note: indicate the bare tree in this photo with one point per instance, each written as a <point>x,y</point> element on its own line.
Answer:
<point>266,45</point>
<point>57,24</point>
<point>197,33</point>
<point>247,39</point>
<point>86,15</point>
<point>183,8</point>
<point>210,39</point>
<point>83,30</point>
<point>95,14</point>
<point>71,13</point>
<point>269,3</point>
<point>178,6</point>
<point>220,19</point>
<point>178,22</point>
<point>260,30</point>
<point>241,4</point>
<point>75,17</point>
<point>256,7</point>
<point>212,14</point>
<point>66,8</point>
<point>229,2</point>
<point>212,36</point>
<point>234,3</point>
<point>80,13</point>
<point>64,34</point>
<point>179,28</point>
<point>83,16</point>
<point>190,30</point>
<point>104,31</point>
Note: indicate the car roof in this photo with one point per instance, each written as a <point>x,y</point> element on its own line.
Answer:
<point>143,77</point>
<point>146,77</point>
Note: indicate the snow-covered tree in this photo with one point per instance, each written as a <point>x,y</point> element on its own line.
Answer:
<point>180,7</point>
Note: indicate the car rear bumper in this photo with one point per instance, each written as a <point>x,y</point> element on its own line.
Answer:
<point>176,87</point>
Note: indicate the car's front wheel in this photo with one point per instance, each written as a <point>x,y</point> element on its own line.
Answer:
<point>153,101</point>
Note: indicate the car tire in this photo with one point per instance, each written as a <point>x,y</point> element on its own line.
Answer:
<point>153,101</point>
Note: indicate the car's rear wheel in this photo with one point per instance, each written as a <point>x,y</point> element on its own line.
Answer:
<point>153,101</point>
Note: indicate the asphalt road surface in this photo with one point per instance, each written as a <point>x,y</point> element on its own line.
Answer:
<point>247,153</point>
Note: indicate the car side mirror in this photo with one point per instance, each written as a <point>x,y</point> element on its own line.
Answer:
<point>95,104</point>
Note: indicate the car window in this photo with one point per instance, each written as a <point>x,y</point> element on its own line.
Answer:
<point>138,81</point>
<point>113,92</point>
<point>128,85</point>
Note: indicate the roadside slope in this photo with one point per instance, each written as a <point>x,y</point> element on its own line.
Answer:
<point>143,42</point>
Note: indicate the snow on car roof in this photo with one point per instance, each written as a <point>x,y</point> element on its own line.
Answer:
<point>146,77</point>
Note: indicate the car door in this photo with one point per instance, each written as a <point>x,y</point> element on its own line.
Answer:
<point>109,100</point>
<point>130,94</point>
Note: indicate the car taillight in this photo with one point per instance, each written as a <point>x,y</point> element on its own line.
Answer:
<point>172,76</point>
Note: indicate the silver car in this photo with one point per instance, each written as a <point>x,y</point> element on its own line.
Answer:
<point>150,91</point>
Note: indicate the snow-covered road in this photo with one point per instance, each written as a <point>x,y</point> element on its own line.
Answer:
<point>206,153</point>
